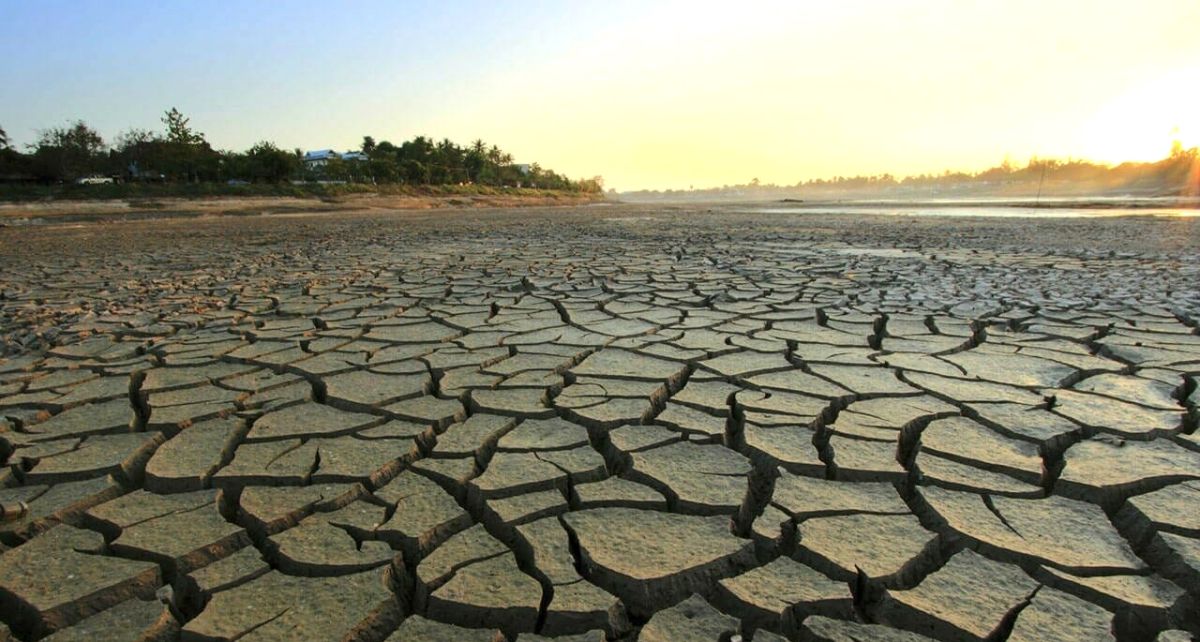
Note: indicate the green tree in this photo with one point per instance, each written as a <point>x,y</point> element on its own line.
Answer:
<point>185,153</point>
<point>67,153</point>
<point>476,160</point>
<point>415,172</point>
<point>140,153</point>
<point>335,169</point>
<point>387,148</point>
<point>179,129</point>
<point>450,157</point>
<point>384,170</point>
<point>268,163</point>
<point>14,164</point>
<point>134,137</point>
<point>368,145</point>
<point>232,166</point>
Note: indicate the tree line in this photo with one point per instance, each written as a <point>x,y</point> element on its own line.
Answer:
<point>1176,175</point>
<point>180,153</point>
<point>1173,171</point>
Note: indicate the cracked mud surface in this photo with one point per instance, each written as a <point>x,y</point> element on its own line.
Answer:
<point>600,423</point>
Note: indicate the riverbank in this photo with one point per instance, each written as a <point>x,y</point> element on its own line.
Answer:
<point>72,210</point>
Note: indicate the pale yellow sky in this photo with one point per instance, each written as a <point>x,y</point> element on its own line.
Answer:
<point>647,93</point>
<point>688,94</point>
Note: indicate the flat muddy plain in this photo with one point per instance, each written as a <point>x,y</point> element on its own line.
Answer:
<point>609,422</point>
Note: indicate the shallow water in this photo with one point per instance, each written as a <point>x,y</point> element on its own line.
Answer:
<point>986,211</point>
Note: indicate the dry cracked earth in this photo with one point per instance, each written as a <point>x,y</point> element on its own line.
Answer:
<point>600,424</point>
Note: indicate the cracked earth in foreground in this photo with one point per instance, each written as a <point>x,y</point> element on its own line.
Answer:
<point>600,423</point>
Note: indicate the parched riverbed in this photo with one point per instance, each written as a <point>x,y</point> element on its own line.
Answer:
<point>607,422</point>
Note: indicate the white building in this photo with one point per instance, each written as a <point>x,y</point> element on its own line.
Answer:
<point>321,157</point>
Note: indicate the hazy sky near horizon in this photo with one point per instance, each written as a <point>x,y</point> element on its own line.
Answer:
<point>647,94</point>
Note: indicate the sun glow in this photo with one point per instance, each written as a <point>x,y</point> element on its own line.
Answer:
<point>654,95</point>
<point>1142,123</point>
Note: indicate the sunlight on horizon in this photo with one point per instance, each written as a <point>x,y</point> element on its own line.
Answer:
<point>868,88</point>
<point>1141,124</point>
<point>649,95</point>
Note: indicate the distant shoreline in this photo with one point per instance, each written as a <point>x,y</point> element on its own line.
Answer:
<point>1056,202</point>
<point>115,209</point>
<point>1046,202</point>
<point>30,193</point>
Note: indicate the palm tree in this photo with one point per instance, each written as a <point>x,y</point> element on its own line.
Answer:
<point>450,156</point>
<point>3,139</point>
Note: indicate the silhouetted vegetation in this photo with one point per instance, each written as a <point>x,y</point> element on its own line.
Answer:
<point>1176,175</point>
<point>78,156</point>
